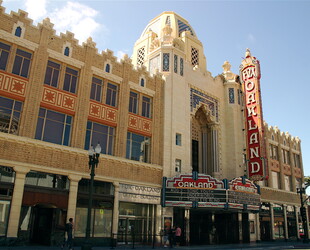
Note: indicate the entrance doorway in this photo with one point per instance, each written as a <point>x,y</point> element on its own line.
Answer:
<point>42,225</point>
<point>213,228</point>
<point>130,229</point>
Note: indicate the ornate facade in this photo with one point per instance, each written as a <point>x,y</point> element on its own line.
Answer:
<point>159,114</point>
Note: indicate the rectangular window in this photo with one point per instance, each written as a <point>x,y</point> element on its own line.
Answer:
<point>296,160</point>
<point>138,147</point>
<point>181,66</point>
<point>275,180</point>
<point>4,55</point>
<point>111,97</point>
<point>166,62</point>
<point>178,164</point>
<point>53,127</point>
<point>10,111</point>
<point>178,139</point>
<point>231,93</point>
<point>288,184</point>
<point>96,89</point>
<point>146,107</point>
<point>21,63</point>
<point>99,133</point>
<point>195,56</point>
<point>286,156</point>
<point>101,221</point>
<point>133,102</point>
<point>4,216</point>
<point>273,152</point>
<point>52,74</point>
<point>175,64</point>
<point>70,82</point>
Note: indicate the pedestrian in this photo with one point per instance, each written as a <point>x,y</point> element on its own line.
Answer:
<point>171,236</point>
<point>178,233</point>
<point>69,229</point>
<point>166,234</point>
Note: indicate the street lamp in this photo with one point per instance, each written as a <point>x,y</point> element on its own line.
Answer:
<point>92,163</point>
<point>303,211</point>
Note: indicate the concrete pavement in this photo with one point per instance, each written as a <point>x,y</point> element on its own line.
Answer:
<point>276,245</point>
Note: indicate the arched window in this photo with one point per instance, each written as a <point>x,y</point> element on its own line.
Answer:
<point>67,51</point>
<point>107,68</point>
<point>142,82</point>
<point>18,31</point>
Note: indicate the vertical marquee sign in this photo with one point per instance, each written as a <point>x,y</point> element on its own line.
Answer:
<point>256,149</point>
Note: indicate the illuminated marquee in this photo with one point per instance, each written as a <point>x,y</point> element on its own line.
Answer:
<point>256,150</point>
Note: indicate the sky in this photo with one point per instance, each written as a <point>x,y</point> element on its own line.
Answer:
<point>277,33</point>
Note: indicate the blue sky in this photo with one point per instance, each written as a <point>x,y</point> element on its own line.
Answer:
<point>277,32</point>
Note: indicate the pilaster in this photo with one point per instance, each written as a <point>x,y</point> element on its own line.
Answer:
<point>17,198</point>
<point>115,210</point>
<point>74,184</point>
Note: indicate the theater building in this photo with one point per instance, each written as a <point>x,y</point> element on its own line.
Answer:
<point>176,142</point>
<point>214,132</point>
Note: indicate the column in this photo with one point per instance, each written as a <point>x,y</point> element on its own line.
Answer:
<point>271,222</point>
<point>240,227</point>
<point>204,154</point>
<point>285,221</point>
<point>158,221</point>
<point>187,220</point>
<point>115,210</point>
<point>73,190</point>
<point>297,221</point>
<point>257,224</point>
<point>20,176</point>
<point>214,142</point>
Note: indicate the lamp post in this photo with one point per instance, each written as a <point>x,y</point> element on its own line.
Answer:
<point>303,212</point>
<point>92,163</point>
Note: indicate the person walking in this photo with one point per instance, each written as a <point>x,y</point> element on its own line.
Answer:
<point>171,236</point>
<point>69,229</point>
<point>178,233</point>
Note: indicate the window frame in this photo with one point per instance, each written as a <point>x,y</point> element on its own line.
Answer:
<point>22,62</point>
<point>4,52</point>
<point>44,120</point>
<point>108,146</point>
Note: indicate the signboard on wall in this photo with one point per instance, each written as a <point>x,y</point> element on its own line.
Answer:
<point>139,194</point>
<point>199,190</point>
<point>254,127</point>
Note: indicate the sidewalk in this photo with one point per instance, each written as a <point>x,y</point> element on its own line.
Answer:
<point>260,245</point>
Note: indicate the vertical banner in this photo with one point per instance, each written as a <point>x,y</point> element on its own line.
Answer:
<point>256,149</point>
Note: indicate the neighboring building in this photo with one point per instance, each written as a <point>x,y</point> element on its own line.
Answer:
<point>168,119</point>
<point>58,98</point>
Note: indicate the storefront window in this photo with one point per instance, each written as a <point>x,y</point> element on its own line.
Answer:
<point>101,222</point>
<point>34,178</point>
<point>4,215</point>
<point>279,229</point>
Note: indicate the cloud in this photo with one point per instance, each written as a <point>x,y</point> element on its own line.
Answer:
<point>36,9</point>
<point>120,54</point>
<point>251,38</point>
<point>77,18</point>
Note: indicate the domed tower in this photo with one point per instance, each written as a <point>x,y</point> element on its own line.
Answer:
<point>169,45</point>
<point>168,33</point>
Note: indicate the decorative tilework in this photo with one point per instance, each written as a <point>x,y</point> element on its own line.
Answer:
<point>58,100</point>
<point>166,62</point>
<point>231,93</point>
<point>12,86</point>
<point>198,97</point>
<point>139,124</point>
<point>175,64</point>
<point>102,113</point>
